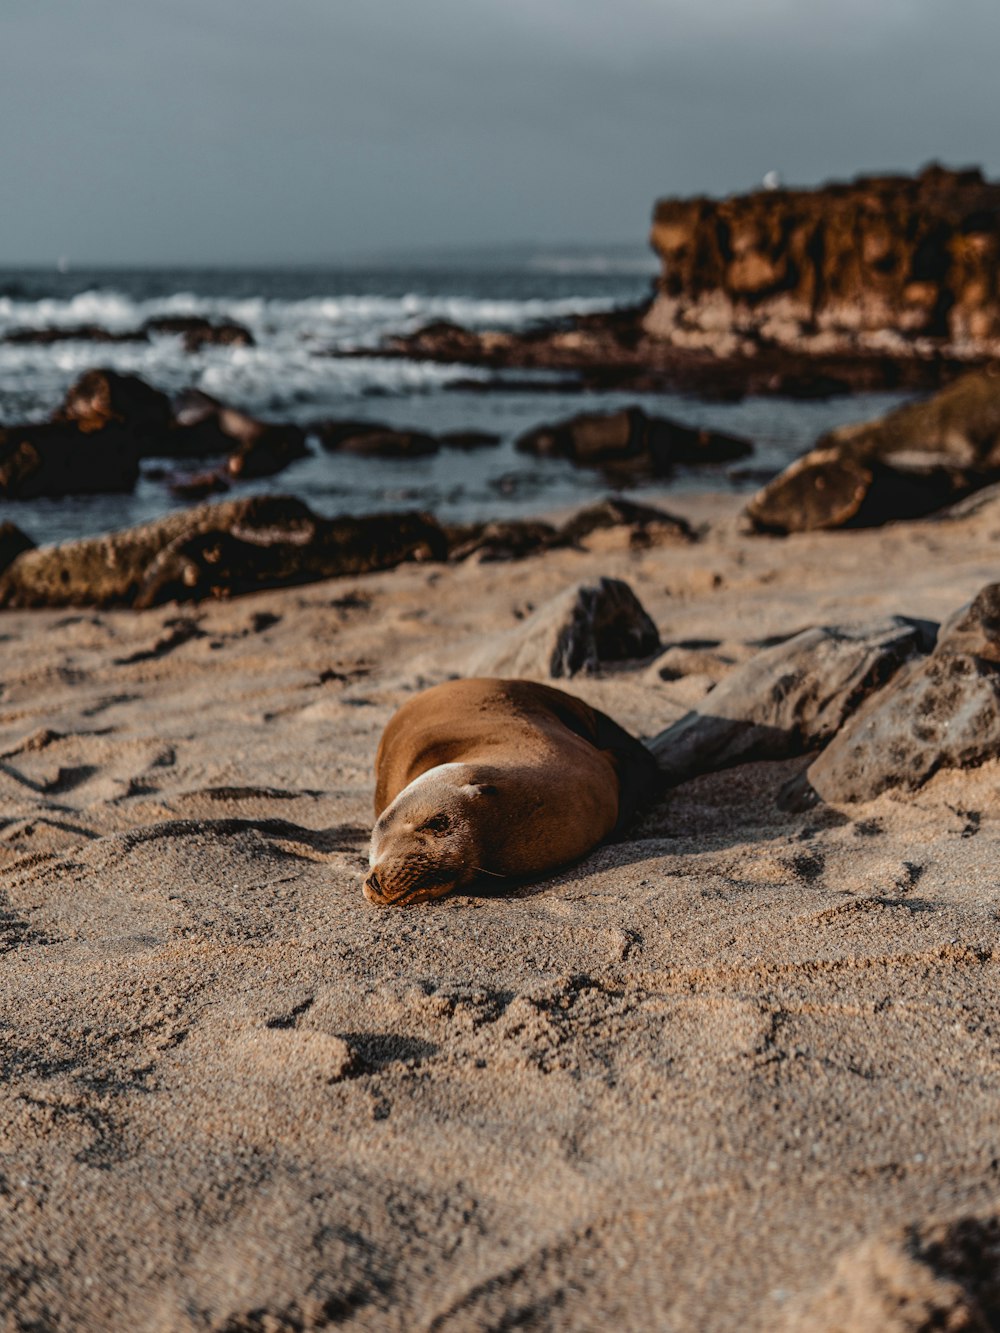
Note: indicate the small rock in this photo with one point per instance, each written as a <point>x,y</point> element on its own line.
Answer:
<point>373,440</point>
<point>584,627</point>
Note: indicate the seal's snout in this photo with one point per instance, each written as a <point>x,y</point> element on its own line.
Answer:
<point>372,888</point>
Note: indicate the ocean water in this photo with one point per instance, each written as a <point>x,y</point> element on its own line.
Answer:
<point>303,320</point>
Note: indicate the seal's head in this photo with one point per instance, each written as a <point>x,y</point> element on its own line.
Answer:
<point>426,842</point>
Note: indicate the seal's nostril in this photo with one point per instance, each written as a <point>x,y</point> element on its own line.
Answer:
<point>374,882</point>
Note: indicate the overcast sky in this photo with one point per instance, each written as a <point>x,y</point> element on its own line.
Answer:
<point>173,131</point>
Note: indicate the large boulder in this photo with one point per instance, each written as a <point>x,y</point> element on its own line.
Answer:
<point>631,439</point>
<point>790,698</point>
<point>916,459</point>
<point>61,458</point>
<point>940,712</point>
<point>583,628</point>
<point>103,397</point>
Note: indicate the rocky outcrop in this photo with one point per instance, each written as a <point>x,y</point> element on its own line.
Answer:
<point>584,627</point>
<point>216,550</point>
<point>788,699</point>
<point>370,439</point>
<point>220,550</point>
<point>941,712</point>
<point>630,440</point>
<point>919,458</point>
<point>891,263</point>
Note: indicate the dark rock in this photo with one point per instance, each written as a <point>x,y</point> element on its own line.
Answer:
<point>73,333</point>
<point>629,437</point>
<point>12,542</point>
<point>108,570</point>
<point>198,332</point>
<point>204,427</point>
<point>584,627</point>
<point>911,462</point>
<point>103,397</point>
<point>216,550</point>
<point>60,458</point>
<point>647,525</point>
<point>469,439</point>
<point>225,563</point>
<point>942,712</point>
<point>371,439</point>
<point>264,449</point>
<point>198,485</point>
<point>788,699</point>
<point>500,540</point>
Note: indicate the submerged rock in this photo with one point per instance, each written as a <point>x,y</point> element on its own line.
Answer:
<point>198,332</point>
<point>917,459</point>
<point>629,438</point>
<point>940,712</point>
<point>584,627</point>
<point>373,440</point>
<point>788,699</point>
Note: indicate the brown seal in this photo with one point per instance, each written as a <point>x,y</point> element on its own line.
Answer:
<point>496,777</point>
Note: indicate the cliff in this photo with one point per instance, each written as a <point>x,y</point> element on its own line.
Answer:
<point>894,264</point>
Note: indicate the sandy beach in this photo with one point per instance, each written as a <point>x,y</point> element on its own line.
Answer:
<point>737,1071</point>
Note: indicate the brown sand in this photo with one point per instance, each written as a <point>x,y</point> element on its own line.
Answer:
<point>677,1086</point>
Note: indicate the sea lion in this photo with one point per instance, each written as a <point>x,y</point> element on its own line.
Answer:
<point>496,777</point>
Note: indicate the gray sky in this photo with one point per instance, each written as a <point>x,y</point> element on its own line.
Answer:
<point>175,131</point>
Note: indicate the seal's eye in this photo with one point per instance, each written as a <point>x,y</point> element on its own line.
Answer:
<point>439,824</point>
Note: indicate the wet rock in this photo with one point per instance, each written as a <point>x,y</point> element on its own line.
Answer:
<point>59,458</point>
<point>647,526</point>
<point>917,459</point>
<point>216,550</point>
<point>72,333</point>
<point>577,632</point>
<point>204,427</point>
<point>788,699</point>
<point>940,712</point>
<point>225,563</point>
<point>102,398</point>
<point>469,439</point>
<point>12,542</point>
<point>264,448</point>
<point>198,485</point>
<point>373,440</point>
<point>631,438</point>
<point>198,332</point>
